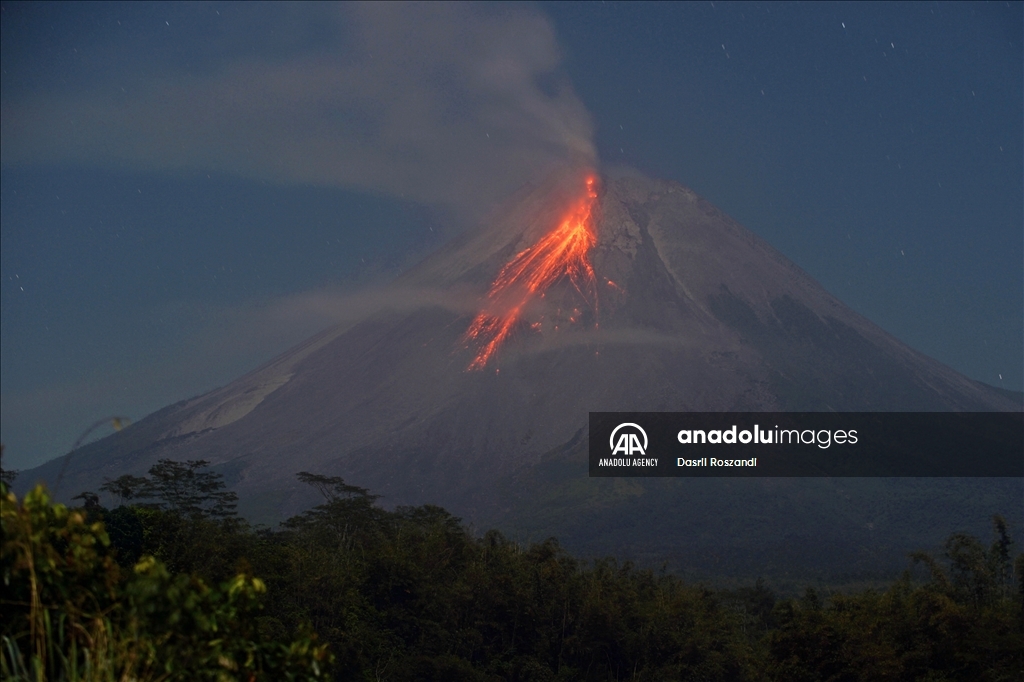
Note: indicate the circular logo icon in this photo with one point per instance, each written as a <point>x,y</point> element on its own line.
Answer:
<point>628,442</point>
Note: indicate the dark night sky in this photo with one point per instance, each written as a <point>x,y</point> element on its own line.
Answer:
<point>187,190</point>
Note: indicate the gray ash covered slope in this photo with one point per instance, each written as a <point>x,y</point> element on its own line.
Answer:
<point>694,312</point>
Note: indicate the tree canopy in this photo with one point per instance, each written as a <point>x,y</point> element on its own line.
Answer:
<point>179,487</point>
<point>412,594</point>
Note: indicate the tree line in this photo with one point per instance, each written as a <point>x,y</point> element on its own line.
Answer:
<point>172,585</point>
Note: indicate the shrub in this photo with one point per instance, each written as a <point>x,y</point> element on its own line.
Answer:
<point>70,614</point>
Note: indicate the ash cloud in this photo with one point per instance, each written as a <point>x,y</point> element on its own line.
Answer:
<point>452,105</point>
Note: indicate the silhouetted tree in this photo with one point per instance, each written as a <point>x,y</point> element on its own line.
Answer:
<point>6,475</point>
<point>334,488</point>
<point>178,487</point>
<point>126,487</point>
<point>183,489</point>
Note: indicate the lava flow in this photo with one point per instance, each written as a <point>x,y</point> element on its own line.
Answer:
<point>561,253</point>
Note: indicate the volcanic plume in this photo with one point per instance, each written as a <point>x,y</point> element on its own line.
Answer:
<point>702,316</point>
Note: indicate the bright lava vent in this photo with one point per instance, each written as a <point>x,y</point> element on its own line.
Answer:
<point>563,252</point>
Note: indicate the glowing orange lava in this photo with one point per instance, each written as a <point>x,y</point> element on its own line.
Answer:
<point>561,253</point>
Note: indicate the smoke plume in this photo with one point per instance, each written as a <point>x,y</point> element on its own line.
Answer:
<point>452,105</point>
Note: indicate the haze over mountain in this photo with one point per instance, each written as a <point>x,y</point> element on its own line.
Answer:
<point>693,313</point>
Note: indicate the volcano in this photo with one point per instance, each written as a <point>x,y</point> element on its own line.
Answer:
<point>478,401</point>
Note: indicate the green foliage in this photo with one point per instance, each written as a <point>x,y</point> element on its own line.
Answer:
<point>71,614</point>
<point>179,514</point>
<point>206,631</point>
<point>962,624</point>
<point>410,594</point>
<point>58,578</point>
<point>127,534</point>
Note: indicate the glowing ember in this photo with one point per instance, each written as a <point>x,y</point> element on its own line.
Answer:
<point>561,253</point>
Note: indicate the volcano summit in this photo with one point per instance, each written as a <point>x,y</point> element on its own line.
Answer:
<point>660,302</point>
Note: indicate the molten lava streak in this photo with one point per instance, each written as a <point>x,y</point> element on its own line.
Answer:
<point>561,253</point>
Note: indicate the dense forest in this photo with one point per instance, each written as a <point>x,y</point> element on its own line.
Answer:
<point>172,585</point>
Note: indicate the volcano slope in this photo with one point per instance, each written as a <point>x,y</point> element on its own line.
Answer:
<point>687,311</point>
